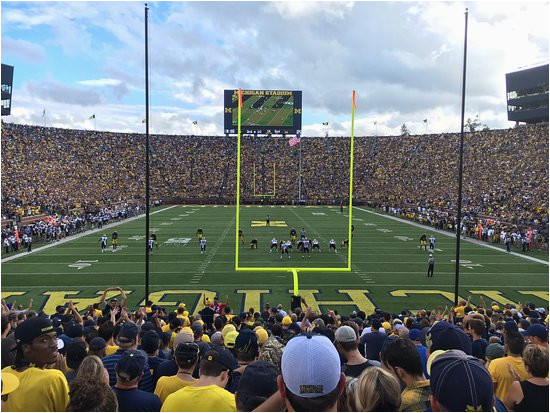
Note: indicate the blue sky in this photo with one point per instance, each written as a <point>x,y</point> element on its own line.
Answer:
<point>75,59</point>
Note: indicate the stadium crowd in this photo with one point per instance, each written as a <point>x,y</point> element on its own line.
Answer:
<point>109,358</point>
<point>505,173</point>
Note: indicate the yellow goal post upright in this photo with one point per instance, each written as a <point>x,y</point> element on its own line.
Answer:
<point>295,270</point>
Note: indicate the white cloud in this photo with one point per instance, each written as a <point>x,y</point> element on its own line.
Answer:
<point>100,82</point>
<point>24,49</point>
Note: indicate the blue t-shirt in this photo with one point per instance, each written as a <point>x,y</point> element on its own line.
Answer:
<point>422,350</point>
<point>136,400</point>
<point>374,342</point>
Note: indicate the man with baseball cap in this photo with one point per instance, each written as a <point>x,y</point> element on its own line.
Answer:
<point>446,336</point>
<point>345,341</point>
<point>537,334</point>
<point>40,389</point>
<point>257,384</point>
<point>126,339</point>
<point>208,394</point>
<point>374,340</point>
<point>186,355</point>
<point>129,371</point>
<point>459,383</point>
<point>311,379</point>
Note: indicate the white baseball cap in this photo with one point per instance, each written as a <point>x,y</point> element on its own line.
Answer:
<point>310,366</point>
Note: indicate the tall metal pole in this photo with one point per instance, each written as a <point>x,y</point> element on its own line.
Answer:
<point>460,156</point>
<point>300,173</point>
<point>146,156</point>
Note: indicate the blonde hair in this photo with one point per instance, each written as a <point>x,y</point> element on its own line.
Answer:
<point>376,390</point>
<point>91,368</point>
<point>535,358</point>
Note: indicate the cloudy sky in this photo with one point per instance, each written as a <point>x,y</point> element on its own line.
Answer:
<point>404,59</point>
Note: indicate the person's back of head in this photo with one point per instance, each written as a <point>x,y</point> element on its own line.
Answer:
<point>92,368</point>
<point>478,326</point>
<point>535,358</point>
<point>402,354</point>
<point>106,331</point>
<point>514,342</point>
<point>376,390</point>
<point>90,396</point>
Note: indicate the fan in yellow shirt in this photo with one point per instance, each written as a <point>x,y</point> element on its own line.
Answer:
<point>39,389</point>
<point>186,356</point>
<point>208,394</point>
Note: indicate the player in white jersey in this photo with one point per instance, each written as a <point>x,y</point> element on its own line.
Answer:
<point>287,245</point>
<point>203,245</point>
<point>103,243</point>
<point>151,244</point>
<point>332,245</point>
<point>315,244</point>
<point>273,245</point>
<point>305,248</point>
<point>432,242</point>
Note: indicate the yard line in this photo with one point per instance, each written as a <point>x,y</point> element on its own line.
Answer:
<point>450,234</point>
<point>310,284</point>
<point>83,234</point>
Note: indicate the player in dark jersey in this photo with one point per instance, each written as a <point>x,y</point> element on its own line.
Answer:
<point>267,220</point>
<point>199,234</point>
<point>292,235</point>
<point>114,240</point>
<point>344,243</point>
<point>300,245</point>
<point>254,244</point>
<point>155,242</point>
<point>424,242</point>
<point>241,236</point>
<point>352,229</point>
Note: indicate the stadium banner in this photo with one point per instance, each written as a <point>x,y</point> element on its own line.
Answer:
<point>264,111</point>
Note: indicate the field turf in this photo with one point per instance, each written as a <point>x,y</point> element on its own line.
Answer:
<point>268,116</point>
<point>388,269</point>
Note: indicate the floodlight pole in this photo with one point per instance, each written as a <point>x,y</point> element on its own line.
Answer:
<point>300,173</point>
<point>146,157</point>
<point>460,161</point>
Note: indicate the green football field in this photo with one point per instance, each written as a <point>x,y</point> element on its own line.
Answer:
<point>266,115</point>
<point>388,269</point>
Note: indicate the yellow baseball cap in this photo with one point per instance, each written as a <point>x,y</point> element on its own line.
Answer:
<point>386,325</point>
<point>262,335</point>
<point>230,338</point>
<point>287,321</point>
<point>227,329</point>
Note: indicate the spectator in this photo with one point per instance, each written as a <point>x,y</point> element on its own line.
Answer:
<point>460,383</point>
<point>272,350</point>
<point>494,351</point>
<point>208,394</point>
<point>170,367</point>
<point>374,340</point>
<point>97,347</point>
<point>150,343</point>
<point>10,382</point>
<point>414,335</point>
<point>246,351</point>
<point>129,371</point>
<point>446,336</point>
<point>402,359</point>
<point>530,395</point>
<point>186,356</point>
<point>76,352</point>
<point>376,390</point>
<point>476,328</point>
<point>537,334</point>
<point>346,344</point>
<point>8,342</point>
<point>36,348</point>
<point>311,379</point>
<point>258,382</point>
<point>89,391</point>
<point>499,368</point>
<point>127,340</point>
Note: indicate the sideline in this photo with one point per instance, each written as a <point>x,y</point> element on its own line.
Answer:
<point>83,234</point>
<point>453,235</point>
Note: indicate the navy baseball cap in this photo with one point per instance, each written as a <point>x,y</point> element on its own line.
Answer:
<point>130,365</point>
<point>446,336</point>
<point>246,342</point>
<point>259,380</point>
<point>32,328</point>
<point>221,356</point>
<point>127,334</point>
<point>537,330</point>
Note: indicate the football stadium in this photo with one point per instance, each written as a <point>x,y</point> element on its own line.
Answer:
<point>273,264</point>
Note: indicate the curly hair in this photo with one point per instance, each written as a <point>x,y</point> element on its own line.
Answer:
<point>91,396</point>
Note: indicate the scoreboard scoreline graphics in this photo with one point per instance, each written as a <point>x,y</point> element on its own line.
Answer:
<point>264,111</point>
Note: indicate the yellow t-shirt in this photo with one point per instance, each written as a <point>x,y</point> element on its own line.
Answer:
<point>109,350</point>
<point>460,311</point>
<point>200,399</point>
<point>39,391</point>
<point>502,377</point>
<point>165,328</point>
<point>167,385</point>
